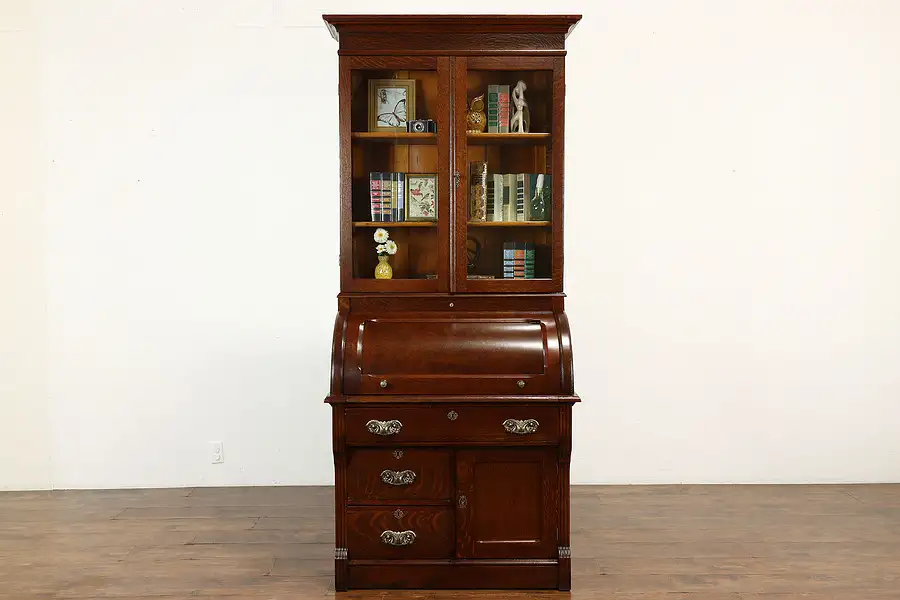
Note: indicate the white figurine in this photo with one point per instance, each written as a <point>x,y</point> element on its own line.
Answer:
<point>521,119</point>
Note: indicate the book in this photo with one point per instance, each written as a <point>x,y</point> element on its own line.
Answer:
<point>493,109</point>
<point>509,197</point>
<point>387,198</point>
<point>504,110</point>
<point>540,192</point>
<point>478,190</point>
<point>399,208</point>
<point>518,260</point>
<point>497,214</point>
<point>520,196</point>
<point>375,195</point>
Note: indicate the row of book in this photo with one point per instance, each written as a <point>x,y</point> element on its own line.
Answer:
<point>387,196</point>
<point>499,110</point>
<point>518,260</point>
<point>512,197</point>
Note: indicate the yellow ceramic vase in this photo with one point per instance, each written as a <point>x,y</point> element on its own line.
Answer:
<point>383,269</point>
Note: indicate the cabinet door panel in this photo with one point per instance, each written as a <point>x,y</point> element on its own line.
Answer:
<point>506,503</point>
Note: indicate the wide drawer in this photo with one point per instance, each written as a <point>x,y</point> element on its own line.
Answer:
<point>401,532</point>
<point>452,353</point>
<point>398,475</point>
<point>452,424</point>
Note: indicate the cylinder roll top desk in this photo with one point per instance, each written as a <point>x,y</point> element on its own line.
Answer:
<point>451,373</point>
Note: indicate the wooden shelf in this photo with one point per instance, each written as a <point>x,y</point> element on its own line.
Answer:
<point>509,223</point>
<point>508,138</point>
<point>396,137</point>
<point>396,224</point>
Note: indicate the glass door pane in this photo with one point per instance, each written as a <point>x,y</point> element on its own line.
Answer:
<point>507,152</point>
<point>399,144</point>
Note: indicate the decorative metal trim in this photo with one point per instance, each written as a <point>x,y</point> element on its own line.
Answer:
<point>398,454</point>
<point>391,427</point>
<point>399,514</point>
<point>522,427</point>
<point>398,538</point>
<point>565,552</point>
<point>406,477</point>
<point>452,415</point>
<point>462,502</point>
<point>340,554</point>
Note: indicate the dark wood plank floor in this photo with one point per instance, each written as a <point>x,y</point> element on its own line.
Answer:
<point>628,543</point>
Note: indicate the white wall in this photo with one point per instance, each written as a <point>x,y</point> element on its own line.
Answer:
<point>732,202</point>
<point>24,425</point>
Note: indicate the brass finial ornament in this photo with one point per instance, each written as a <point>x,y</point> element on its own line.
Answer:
<point>476,120</point>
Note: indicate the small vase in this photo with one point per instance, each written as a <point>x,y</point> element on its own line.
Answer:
<point>383,269</point>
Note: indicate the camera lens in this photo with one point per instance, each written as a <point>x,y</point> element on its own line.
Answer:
<point>419,127</point>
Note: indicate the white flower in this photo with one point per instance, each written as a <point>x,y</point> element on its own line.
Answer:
<point>391,247</point>
<point>380,249</point>
<point>381,235</point>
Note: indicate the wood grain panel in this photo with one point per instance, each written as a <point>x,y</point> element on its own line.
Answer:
<point>470,424</point>
<point>433,527</point>
<point>431,469</point>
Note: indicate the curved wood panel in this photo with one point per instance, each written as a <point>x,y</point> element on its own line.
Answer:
<point>452,353</point>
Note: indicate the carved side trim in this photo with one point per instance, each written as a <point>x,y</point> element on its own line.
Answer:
<point>565,551</point>
<point>340,554</point>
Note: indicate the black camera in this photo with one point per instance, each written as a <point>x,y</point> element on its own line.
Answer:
<point>421,126</point>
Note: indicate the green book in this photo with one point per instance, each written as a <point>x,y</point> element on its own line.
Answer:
<point>493,109</point>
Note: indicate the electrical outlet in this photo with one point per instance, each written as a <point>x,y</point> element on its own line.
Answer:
<point>218,454</point>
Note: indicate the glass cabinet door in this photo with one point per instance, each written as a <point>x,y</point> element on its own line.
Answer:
<point>395,188</point>
<point>508,136</point>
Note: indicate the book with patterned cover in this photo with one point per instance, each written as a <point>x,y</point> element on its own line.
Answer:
<point>504,114</point>
<point>493,109</point>
<point>375,195</point>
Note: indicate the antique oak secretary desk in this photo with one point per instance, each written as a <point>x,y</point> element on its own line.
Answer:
<point>451,382</point>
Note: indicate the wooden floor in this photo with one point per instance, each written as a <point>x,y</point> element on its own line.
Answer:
<point>682,542</point>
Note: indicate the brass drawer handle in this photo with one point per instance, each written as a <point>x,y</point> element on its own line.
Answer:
<point>521,383</point>
<point>522,427</point>
<point>383,383</point>
<point>398,538</point>
<point>391,427</point>
<point>406,477</point>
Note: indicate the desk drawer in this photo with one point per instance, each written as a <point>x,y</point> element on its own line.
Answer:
<point>407,475</point>
<point>453,424</point>
<point>400,532</point>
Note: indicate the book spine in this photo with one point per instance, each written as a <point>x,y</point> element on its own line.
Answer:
<point>505,109</point>
<point>498,197</point>
<point>489,201</point>
<point>509,197</point>
<point>401,197</point>
<point>493,109</point>
<point>375,195</point>
<point>520,196</point>
<point>386,198</point>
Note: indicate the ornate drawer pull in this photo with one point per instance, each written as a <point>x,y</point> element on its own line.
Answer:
<point>406,477</point>
<point>398,538</point>
<point>383,383</point>
<point>520,427</point>
<point>391,427</point>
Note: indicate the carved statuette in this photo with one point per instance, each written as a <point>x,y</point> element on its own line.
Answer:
<point>476,120</point>
<point>406,477</point>
<point>398,538</point>
<point>391,427</point>
<point>521,118</point>
<point>520,427</point>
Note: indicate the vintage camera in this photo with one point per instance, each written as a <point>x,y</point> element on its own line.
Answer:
<point>421,126</point>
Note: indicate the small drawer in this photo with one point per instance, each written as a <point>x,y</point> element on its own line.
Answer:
<point>399,532</point>
<point>398,475</point>
<point>453,424</point>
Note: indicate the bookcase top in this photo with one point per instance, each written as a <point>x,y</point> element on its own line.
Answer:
<point>451,24</point>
